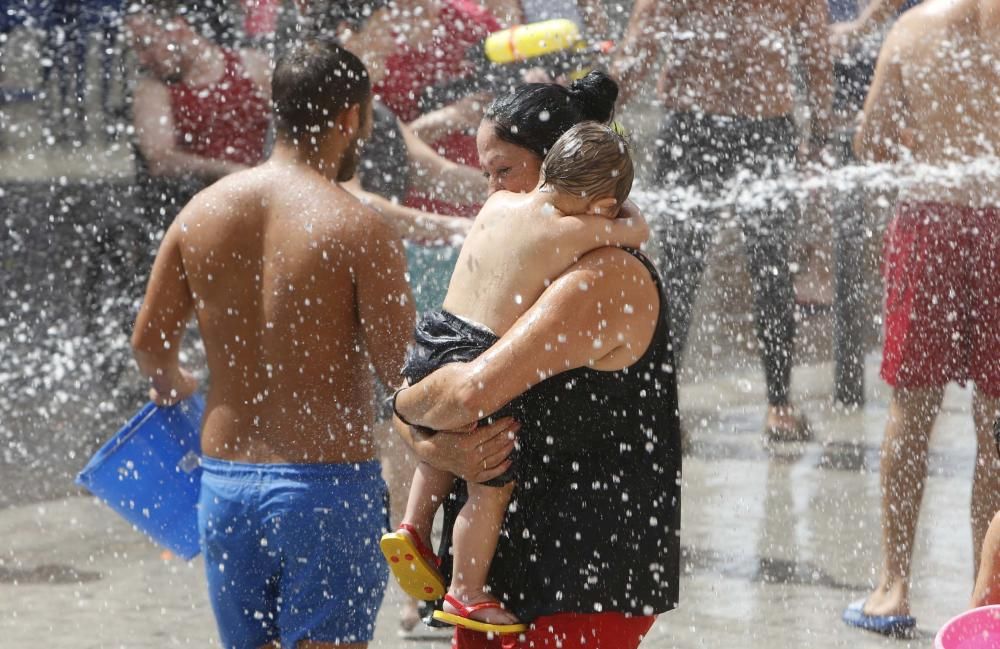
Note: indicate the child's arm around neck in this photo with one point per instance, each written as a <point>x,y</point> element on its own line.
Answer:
<point>586,232</point>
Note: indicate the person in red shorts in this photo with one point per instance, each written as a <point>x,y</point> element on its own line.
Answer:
<point>566,631</point>
<point>933,101</point>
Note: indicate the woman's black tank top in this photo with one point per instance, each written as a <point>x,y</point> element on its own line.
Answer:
<point>594,523</point>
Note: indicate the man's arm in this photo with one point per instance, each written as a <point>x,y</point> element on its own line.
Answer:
<point>460,115</point>
<point>886,111</point>
<point>434,175</point>
<point>258,67</point>
<point>154,126</point>
<point>383,300</point>
<point>641,45</point>
<point>160,325</point>
<point>877,13</point>
<point>601,313</point>
<point>813,44</point>
<point>411,223</point>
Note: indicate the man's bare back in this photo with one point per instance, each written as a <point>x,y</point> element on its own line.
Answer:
<point>275,259</point>
<point>935,93</point>
<point>731,57</point>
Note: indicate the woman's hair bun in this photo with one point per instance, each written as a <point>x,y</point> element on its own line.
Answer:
<point>595,94</point>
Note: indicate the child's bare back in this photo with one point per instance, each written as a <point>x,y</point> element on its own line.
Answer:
<point>520,243</point>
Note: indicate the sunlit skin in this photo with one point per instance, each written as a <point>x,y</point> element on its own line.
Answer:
<point>934,95</point>
<point>506,166</point>
<point>731,57</point>
<point>296,288</point>
<point>934,98</point>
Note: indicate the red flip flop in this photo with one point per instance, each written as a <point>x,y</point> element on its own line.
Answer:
<point>413,564</point>
<point>464,617</point>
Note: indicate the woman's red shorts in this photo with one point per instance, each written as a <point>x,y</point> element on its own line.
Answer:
<point>566,631</point>
<point>942,297</point>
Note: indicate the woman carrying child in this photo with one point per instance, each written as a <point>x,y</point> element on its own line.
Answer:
<point>589,550</point>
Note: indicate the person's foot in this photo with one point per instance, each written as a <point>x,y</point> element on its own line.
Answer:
<point>785,425</point>
<point>487,615</point>
<point>409,615</point>
<point>885,601</point>
<point>420,539</point>
<point>413,563</point>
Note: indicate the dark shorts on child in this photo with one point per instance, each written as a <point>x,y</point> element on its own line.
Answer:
<point>942,297</point>
<point>441,338</point>
<point>291,550</point>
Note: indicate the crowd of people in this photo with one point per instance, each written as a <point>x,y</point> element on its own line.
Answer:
<point>356,205</point>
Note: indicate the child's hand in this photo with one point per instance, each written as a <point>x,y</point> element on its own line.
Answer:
<point>637,221</point>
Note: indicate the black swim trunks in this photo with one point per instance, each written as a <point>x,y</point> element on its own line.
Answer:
<point>441,338</point>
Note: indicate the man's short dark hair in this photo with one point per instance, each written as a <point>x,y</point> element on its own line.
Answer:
<point>312,84</point>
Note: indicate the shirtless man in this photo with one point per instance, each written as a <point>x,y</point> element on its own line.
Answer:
<point>934,101</point>
<point>298,289</point>
<point>728,88</point>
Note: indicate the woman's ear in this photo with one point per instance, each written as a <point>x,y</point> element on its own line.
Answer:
<point>349,121</point>
<point>603,207</point>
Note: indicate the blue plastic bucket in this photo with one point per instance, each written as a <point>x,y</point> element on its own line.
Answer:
<point>150,473</point>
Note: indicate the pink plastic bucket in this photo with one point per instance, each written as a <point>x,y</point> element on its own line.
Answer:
<point>975,629</point>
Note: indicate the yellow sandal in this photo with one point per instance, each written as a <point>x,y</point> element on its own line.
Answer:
<point>463,618</point>
<point>413,564</point>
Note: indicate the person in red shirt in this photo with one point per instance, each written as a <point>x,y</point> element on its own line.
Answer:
<point>417,45</point>
<point>200,111</point>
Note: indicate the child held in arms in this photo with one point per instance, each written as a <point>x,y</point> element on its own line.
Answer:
<point>518,244</point>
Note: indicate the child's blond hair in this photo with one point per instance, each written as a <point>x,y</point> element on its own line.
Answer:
<point>590,160</point>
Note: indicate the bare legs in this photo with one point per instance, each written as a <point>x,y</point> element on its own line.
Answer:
<point>429,489</point>
<point>986,477</point>
<point>903,474</point>
<point>477,530</point>
<point>474,538</point>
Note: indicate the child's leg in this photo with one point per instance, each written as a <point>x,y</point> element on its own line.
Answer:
<point>475,537</point>
<point>429,489</point>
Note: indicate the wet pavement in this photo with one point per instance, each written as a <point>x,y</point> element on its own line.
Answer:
<point>776,541</point>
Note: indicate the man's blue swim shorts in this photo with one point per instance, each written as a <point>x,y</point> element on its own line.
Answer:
<point>291,550</point>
